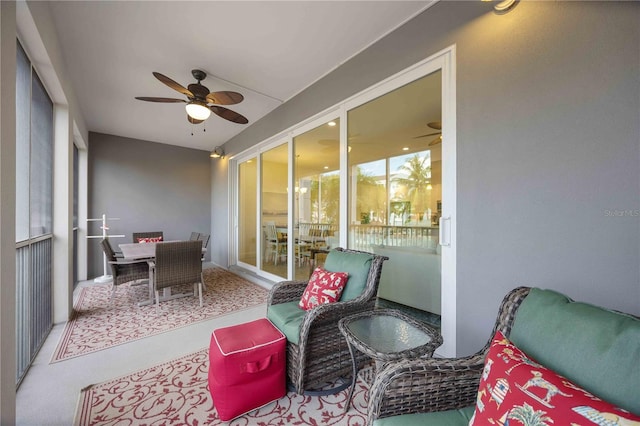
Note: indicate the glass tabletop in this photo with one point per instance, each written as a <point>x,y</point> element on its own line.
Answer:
<point>388,334</point>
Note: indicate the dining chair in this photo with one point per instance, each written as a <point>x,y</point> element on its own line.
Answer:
<point>148,234</point>
<point>303,243</point>
<point>177,263</point>
<point>205,239</point>
<point>276,244</point>
<point>318,234</point>
<point>124,271</point>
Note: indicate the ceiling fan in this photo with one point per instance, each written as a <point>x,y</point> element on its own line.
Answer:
<point>435,125</point>
<point>199,97</point>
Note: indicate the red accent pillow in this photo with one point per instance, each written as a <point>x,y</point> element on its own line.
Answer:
<point>515,389</point>
<point>324,287</point>
<point>150,240</point>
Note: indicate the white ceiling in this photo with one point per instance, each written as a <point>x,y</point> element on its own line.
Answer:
<point>268,50</point>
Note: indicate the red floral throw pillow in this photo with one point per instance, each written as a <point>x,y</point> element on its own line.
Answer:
<point>515,390</point>
<point>150,240</point>
<point>324,287</point>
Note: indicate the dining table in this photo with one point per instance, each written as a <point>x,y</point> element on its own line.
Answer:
<point>147,252</point>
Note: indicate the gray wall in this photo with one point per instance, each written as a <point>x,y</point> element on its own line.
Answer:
<point>150,187</point>
<point>548,147</point>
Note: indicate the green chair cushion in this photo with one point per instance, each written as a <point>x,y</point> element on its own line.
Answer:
<point>356,264</point>
<point>596,348</point>
<point>441,418</point>
<point>287,318</point>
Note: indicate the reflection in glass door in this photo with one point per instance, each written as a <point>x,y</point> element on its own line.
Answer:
<point>247,212</point>
<point>395,190</point>
<point>317,193</point>
<point>274,210</point>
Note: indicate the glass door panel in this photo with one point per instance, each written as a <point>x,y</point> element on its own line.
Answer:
<point>274,210</point>
<point>316,191</point>
<point>395,191</point>
<point>247,212</point>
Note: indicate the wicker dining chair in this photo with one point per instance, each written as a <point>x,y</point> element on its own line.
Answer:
<point>205,239</point>
<point>178,263</point>
<point>436,384</point>
<point>317,353</point>
<point>149,234</point>
<point>124,271</point>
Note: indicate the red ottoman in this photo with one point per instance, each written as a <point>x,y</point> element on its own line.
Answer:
<point>246,367</point>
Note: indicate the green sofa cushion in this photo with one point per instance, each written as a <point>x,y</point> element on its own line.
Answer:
<point>356,264</point>
<point>596,348</point>
<point>441,418</point>
<point>287,317</point>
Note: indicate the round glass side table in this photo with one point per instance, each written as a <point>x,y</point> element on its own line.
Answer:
<point>386,335</point>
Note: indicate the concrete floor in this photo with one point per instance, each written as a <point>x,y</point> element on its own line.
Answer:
<point>49,393</point>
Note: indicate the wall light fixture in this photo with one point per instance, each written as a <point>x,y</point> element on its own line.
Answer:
<point>502,6</point>
<point>217,152</point>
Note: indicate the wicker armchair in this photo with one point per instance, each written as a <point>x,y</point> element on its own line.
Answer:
<point>321,354</point>
<point>124,271</point>
<point>177,263</point>
<point>151,234</point>
<point>436,384</point>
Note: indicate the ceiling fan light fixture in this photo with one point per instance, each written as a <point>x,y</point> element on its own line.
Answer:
<point>198,110</point>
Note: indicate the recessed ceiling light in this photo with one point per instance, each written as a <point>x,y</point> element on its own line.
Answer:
<point>406,148</point>
<point>326,167</point>
<point>331,123</point>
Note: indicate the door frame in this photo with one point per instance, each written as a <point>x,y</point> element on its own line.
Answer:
<point>444,61</point>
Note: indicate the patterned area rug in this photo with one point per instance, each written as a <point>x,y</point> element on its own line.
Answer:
<point>176,393</point>
<point>98,323</point>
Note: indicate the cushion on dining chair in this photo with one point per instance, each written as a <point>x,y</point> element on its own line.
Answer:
<point>149,240</point>
<point>357,265</point>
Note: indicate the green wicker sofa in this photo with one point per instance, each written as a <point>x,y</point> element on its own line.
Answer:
<point>595,348</point>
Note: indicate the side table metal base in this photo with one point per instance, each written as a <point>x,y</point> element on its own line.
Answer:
<point>354,375</point>
<point>322,392</point>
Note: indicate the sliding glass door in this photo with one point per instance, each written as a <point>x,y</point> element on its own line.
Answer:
<point>316,213</point>
<point>274,210</point>
<point>375,173</point>
<point>395,191</point>
<point>247,212</point>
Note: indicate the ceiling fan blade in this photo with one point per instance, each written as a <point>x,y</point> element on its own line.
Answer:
<point>424,136</point>
<point>193,120</point>
<point>436,141</point>
<point>225,98</point>
<point>435,125</point>
<point>175,86</point>
<point>169,100</point>
<point>227,114</point>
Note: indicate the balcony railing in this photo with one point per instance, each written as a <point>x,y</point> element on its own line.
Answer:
<point>34,311</point>
<point>364,237</point>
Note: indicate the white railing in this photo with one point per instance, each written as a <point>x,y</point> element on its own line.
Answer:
<point>364,237</point>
